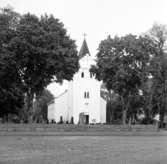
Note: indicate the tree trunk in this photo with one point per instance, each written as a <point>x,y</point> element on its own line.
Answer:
<point>29,106</point>
<point>124,116</point>
<point>130,120</point>
<point>124,111</point>
<point>112,113</point>
<point>162,114</point>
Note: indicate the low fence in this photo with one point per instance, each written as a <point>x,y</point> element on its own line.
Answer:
<point>74,128</point>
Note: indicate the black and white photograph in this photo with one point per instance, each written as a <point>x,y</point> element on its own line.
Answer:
<point>83,81</point>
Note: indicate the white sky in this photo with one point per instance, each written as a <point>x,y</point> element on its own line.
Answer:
<point>97,18</point>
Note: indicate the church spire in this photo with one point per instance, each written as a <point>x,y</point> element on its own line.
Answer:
<point>84,49</point>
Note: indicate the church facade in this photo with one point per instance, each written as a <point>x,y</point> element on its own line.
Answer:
<point>82,102</point>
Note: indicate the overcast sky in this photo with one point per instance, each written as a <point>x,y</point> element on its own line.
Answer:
<point>97,18</point>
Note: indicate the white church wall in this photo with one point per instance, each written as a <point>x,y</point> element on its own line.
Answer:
<point>91,105</point>
<point>51,108</point>
<point>70,101</point>
<point>78,97</point>
<point>94,88</point>
<point>59,107</point>
<point>102,110</point>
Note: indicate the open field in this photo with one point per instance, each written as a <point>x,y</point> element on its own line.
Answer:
<point>83,149</point>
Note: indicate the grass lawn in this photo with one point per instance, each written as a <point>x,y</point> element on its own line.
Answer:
<point>83,150</point>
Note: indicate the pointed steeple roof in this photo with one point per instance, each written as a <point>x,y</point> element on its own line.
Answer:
<point>84,49</point>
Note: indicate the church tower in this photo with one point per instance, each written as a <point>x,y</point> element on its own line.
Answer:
<point>84,92</point>
<point>82,100</point>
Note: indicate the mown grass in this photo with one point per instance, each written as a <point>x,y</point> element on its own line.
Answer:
<point>83,150</point>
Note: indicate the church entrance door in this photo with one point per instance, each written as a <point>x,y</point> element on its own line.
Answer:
<point>83,118</point>
<point>87,119</point>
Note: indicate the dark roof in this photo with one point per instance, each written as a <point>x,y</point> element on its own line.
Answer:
<point>84,50</point>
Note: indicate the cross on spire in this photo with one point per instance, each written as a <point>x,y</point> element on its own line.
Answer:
<point>84,35</point>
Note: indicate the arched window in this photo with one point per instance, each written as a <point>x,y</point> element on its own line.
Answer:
<point>82,74</point>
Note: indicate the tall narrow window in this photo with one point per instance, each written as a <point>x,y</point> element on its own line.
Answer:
<point>87,94</point>
<point>82,74</point>
<point>91,74</point>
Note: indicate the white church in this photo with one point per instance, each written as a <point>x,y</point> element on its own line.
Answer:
<point>82,101</point>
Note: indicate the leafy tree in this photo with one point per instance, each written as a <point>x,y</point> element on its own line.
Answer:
<point>113,104</point>
<point>114,110</point>
<point>11,95</point>
<point>40,51</point>
<point>158,33</point>
<point>121,64</point>
<point>45,54</point>
<point>136,105</point>
<point>148,91</point>
<point>40,106</point>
